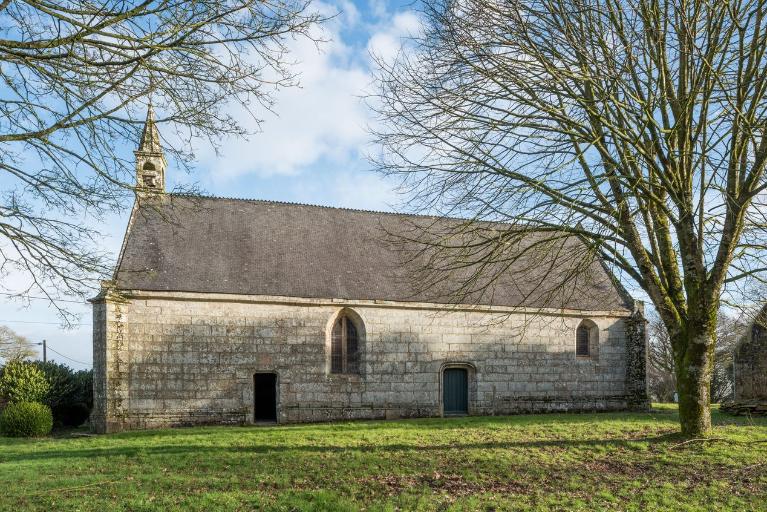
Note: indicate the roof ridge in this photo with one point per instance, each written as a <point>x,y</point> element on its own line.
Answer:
<point>312,205</point>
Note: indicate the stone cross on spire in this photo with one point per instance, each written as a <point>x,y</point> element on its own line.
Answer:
<point>150,160</point>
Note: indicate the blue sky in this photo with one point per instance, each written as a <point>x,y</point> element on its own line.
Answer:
<point>310,150</point>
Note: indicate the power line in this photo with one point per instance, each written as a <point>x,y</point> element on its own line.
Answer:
<point>47,346</point>
<point>67,357</point>
<point>41,298</point>
<point>35,322</point>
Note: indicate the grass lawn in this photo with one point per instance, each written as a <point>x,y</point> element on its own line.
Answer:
<point>562,461</point>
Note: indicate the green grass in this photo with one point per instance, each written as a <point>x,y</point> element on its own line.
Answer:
<point>541,462</point>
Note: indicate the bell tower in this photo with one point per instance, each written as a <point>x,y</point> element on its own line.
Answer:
<point>150,160</point>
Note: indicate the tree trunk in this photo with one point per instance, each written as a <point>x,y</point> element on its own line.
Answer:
<point>695,349</point>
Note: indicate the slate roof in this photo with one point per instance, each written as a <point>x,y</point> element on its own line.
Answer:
<point>252,247</point>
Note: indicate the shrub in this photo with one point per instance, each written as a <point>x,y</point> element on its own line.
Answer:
<point>26,419</point>
<point>23,382</point>
<point>61,385</point>
<point>84,380</point>
<point>70,395</point>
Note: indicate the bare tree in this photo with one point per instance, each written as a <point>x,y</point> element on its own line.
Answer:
<point>662,373</point>
<point>76,77</point>
<point>638,126</point>
<point>15,346</point>
<point>660,358</point>
<point>729,330</point>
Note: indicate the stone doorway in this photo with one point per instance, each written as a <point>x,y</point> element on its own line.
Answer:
<point>455,392</point>
<point>265,397</point>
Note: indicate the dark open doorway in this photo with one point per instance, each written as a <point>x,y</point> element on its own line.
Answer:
<point>455,391</point>
<point>265,397</point>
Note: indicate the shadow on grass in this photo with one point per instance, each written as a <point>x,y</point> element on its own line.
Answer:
<point>183,441</point>
<point>659,415</point>
<point>410,424</point>
<point>165,450</point>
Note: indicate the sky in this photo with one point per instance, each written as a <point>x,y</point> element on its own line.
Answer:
<point>310,150</point>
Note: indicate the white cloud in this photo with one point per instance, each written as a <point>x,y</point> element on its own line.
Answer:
<point>378,8</point>
<point>365,190</point>
<point>387,42</point>
<point>350,15</point>
<point>325,118</point>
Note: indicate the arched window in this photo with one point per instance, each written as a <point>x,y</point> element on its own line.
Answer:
<point>582,341</point>
<point>344,347</point>
<point>586,338</point>
<point>149,166</point>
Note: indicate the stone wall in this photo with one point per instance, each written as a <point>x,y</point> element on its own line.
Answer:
<point>637,389</point>
<point>182,359</point>
<point>750,366</point>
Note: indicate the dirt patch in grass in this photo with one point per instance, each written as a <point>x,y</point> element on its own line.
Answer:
<point>616,468</point>
<point>612,471</point>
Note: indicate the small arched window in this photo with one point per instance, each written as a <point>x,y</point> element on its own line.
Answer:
<point>582,341</point>
<point>344,347</point>
<point>149,166</point>
<point>586,339</point>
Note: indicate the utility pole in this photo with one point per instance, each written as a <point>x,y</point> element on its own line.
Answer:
<point>45,352</point>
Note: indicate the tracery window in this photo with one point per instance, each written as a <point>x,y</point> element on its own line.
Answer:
<point>344,347</point>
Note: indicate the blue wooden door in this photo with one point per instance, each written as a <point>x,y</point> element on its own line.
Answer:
<point>455,391</point>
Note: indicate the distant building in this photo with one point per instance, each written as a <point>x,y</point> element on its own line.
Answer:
<point>750,370</point>
<point>240,311</point>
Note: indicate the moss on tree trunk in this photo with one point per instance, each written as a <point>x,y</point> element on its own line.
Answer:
<point>693,377</point>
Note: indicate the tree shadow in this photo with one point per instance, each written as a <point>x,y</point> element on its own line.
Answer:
<point>271,448</point>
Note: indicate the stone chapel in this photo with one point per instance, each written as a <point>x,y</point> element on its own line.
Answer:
<point>238,311</point>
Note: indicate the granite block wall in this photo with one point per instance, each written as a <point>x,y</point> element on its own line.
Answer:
<point>750,366</point>
<point>177,359</point>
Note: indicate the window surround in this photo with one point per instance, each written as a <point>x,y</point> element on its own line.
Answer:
<point>345,315</point>
<point>591,330</point>
<point>471,374</point>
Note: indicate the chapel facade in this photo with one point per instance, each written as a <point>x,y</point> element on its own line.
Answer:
<point>232,311</point>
